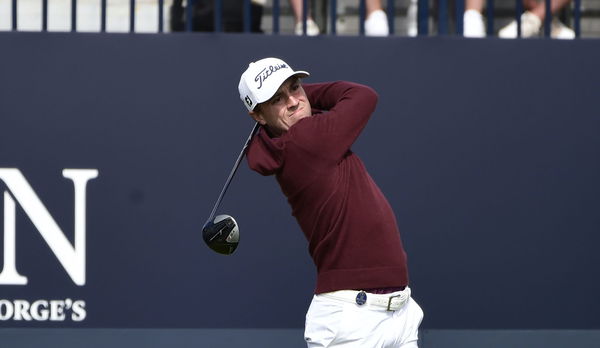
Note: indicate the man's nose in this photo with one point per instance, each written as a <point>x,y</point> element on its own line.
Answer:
<point>292,102</point>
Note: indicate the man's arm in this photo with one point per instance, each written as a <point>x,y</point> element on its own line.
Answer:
<point>348,107</point>
<point>325,96</point>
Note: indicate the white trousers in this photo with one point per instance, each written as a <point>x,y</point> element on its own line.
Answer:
<point>333,322</point>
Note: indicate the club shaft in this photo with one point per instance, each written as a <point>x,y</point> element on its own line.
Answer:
<point>232,173</point>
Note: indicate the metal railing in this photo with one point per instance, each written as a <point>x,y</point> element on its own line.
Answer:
<point>73,18</point>
<point>425,14</point>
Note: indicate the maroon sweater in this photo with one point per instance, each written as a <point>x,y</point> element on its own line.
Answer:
<point>351,230</point>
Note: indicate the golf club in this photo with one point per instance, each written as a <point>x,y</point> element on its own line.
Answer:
<point>221,233</point>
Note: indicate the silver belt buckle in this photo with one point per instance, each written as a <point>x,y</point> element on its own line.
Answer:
<point>390,303</point>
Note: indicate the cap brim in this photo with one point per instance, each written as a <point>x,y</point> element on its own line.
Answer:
<point>282,79</point>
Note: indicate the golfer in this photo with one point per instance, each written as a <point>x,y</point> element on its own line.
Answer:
<point>362,298</point>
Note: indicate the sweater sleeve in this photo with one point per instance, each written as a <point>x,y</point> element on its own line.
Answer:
<point>348,106</point>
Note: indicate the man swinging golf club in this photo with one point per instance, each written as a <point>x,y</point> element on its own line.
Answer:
<point>362,298</point>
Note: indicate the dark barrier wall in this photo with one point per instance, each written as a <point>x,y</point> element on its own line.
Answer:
<point>487,150</point>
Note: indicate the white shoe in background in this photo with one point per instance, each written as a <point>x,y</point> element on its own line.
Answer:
<point>560,31</point>
<point>530,26</point>
<point>473,25</point>
<point>312,29</point>
<point>377,24</point>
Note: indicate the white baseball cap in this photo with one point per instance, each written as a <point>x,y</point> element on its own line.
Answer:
<point>262,79</point>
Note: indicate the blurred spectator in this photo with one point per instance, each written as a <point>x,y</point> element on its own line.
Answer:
<point>203,15</point>
<point>531,20</point>
<point>376,23</point>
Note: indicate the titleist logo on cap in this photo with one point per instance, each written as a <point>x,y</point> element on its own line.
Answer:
<point>268,71</point>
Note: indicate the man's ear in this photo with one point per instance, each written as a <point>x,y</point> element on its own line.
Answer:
<point>257,117</point>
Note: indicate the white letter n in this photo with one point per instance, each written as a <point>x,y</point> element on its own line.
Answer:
<point>72,258</point>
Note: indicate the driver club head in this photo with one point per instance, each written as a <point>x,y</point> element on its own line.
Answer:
<point>222,234</point>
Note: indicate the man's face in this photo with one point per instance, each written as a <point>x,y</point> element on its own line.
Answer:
<point>287,106</point>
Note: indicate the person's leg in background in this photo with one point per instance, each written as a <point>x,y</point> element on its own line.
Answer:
<point>312,29</point>
<point>473,22</point>
<point>376,22</point>
<point>532,21</point>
